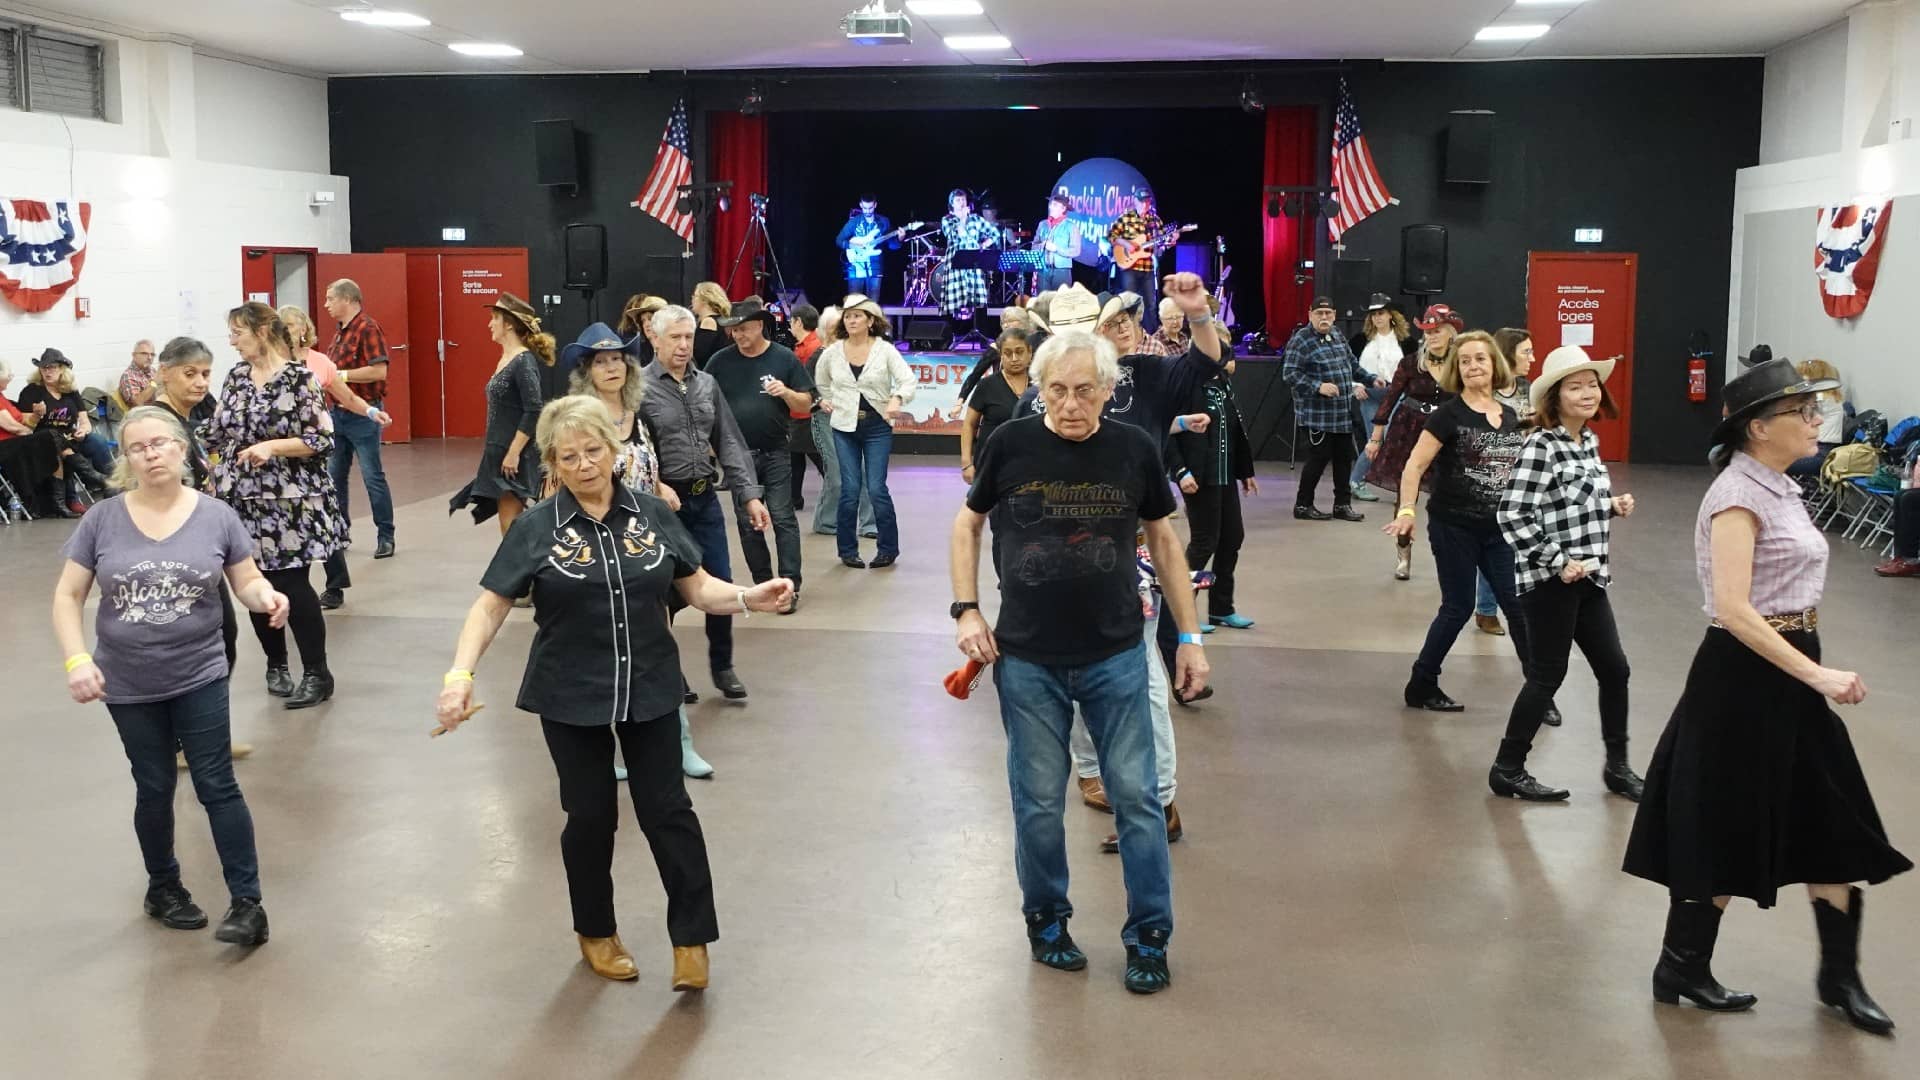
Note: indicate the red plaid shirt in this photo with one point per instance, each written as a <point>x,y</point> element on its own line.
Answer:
<point>358,344</point>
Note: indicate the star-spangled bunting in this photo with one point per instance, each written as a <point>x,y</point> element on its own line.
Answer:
<point>42,251</point>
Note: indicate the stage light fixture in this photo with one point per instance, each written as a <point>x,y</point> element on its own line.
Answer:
<point>1512,32</point>
<point>977,42</point>
<point>485,49</point>
<point>752,103</point>
<point>1250,99</point>
<point>1273,206</point>
<point>937,8</point>
<point>1329,206</point>
<point>385,18</point>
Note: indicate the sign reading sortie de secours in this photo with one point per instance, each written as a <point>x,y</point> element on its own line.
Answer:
<point>1098,191</point>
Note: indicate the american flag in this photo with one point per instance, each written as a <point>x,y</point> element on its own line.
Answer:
<point>672,166</point>
<point>1354,173</point>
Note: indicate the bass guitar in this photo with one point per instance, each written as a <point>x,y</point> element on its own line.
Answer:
<point>1128,255</point>
<point>861,250</point>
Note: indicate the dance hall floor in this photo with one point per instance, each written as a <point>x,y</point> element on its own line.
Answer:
<point>1350,900</point>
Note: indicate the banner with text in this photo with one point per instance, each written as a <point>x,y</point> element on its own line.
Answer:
<point>936,408</point>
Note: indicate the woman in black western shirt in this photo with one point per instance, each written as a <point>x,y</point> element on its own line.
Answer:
<point>600,560</point>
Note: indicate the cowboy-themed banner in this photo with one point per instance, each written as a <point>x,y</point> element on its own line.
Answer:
<point>43,246</point>
<point>1846,254</point>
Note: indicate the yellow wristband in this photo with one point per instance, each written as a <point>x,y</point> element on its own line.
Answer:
<point>456,675</point>
<point>77,659</point>
<point>1406,511</point>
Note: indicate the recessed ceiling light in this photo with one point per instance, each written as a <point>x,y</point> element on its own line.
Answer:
<point>977,42</point>
<point>484,48</point>
<point>1512,32</point>
<point>385,18</point>
<point>945,7</point>
<point>1023,108</point>
<point>1547,3</point>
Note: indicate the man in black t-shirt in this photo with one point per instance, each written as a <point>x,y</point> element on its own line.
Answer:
<point>764,383</point>
<point>1068,493</point>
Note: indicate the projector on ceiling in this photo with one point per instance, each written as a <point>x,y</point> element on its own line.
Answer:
<point>874,25</point>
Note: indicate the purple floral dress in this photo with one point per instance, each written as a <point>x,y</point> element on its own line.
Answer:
<point>287,504</point>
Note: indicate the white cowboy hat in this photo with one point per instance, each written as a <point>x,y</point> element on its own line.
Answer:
<point>1074,308</point>
<point>1562,362</point>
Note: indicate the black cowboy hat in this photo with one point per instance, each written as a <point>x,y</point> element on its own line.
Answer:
<point>52,358</point>
<point>751,308</point>
<point>1760,355</point>
<point>1758,387</point>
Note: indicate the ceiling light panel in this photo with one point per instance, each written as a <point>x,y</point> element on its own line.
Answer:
<point>1512,32</point>
<point>977,42</point>
<point>487,49</point>
<point>935,9</point>
<point>398,19</point>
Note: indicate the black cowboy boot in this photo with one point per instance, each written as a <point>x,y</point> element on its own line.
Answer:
<point>1839,979</point>
<point>1619,775</point>
<point>1686,958</point>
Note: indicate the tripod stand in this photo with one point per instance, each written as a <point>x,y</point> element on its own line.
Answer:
<point>757,230</point>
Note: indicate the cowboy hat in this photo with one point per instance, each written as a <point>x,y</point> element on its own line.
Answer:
<point>861,302</point>
<point>751,308</point>
<point>1126,303</point>
<point>518,310</point>
<point>1560,363</point>
<point>1441,313</point>
<point>1761,354</point>
<point>52,358</point>
<point>1378,301</point>
<point>596,338</point>
<point>1074,308</point>
<point>1758,387</point>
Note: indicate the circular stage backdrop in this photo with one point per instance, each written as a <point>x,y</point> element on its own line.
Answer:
<point>1098,189</point>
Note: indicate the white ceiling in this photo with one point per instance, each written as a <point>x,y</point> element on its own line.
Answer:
<point>622,35</point>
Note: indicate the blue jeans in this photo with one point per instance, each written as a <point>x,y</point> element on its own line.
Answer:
<point>1036,708</point>
<point>357,435</point>
<point>826,510</point>
<point>775,469</point>
<point>867,286</point>
<point>1484,602</point>
<point>1458,552</point>
<point>97,451</point>
<point>707,524</point>
<point>1363,430</point>
<point>196,723</point>
<point>863,467</point>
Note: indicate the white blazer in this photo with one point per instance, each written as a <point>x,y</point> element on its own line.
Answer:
<point>885,376</point>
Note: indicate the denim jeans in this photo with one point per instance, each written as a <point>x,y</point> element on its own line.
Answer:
<point>96,450</point>
<point>775,469</point>
<point>863,467</point>
<point>826,512</point>
<point>196,723</point>
<point>866,286</point>
<point>358,436</point>
<point>1459,551</point>
<point>1036,708</point>
<point>1484,602</point>
<point>707,524</point>
<point>1363,430</point>
<point>1086,762</point>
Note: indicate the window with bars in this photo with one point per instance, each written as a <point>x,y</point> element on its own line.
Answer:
<point>44,71</point>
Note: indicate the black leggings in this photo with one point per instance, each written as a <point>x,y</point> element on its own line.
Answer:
<point>1560,616</point>
<point>303,617</point>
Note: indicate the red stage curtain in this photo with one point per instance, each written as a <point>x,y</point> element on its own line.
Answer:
<point>1292,142</point>
<point>738,146</point>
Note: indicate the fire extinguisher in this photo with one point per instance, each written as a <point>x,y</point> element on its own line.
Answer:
<point>1697,354</point>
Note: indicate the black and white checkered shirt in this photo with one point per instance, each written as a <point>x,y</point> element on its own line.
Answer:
<point>1558,507</point>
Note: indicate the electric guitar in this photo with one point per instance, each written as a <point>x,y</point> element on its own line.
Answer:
<point>1128,255</point>
<point>862,249</point>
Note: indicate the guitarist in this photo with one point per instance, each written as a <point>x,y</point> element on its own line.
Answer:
<point>1058,238</point>
<point>1133,257</point>
<point>862,238</point>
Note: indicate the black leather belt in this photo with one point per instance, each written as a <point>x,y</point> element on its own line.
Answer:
<point>691,487</point>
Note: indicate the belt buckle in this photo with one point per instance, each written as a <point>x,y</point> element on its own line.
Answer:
<point>698,487</point>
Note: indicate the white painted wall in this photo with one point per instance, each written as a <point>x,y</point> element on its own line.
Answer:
<point>199,158</point>
<point>1802,101</point>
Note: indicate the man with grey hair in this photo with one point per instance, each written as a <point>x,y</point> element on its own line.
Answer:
<point>694,427</point>
<point>361,352</point>
<point>1068,493</point>
<point>137,384</point>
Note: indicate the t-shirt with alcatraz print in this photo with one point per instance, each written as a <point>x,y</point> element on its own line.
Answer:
<point>157,633</point>
<point>1065,516</point>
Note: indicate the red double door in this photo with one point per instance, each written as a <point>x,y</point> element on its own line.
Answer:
<point>1587,298</point>
<point>449,292</point>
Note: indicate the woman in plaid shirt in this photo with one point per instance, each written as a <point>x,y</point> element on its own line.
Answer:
<point>1558,513</point>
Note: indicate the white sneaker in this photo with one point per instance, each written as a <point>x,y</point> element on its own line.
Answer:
<point>1364,493</point>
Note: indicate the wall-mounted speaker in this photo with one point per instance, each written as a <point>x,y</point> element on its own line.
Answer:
<point>1352,286</point>
<point>1469,153</point>
<point>1423,259</point>
<point>586,257</point>
<point>556,154</point>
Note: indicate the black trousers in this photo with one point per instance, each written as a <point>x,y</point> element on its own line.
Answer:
<point>1906,524</point>
<point>1217,531</point>
<point>1560,616</point>
<point>304,618</point>
<point>583,757</point>
<point>1325,448</point>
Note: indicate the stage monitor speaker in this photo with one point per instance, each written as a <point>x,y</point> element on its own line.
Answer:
<point>1469,147</point>
<point>586,257</point>
<point>1194,259</point>
<point>928,333</point>
<point>1423,259</point>
<point>556,154</point>
<point>1352,286</point>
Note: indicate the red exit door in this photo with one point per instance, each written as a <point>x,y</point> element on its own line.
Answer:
<point>452,290</point>
<point>383,284</point>
<point>1587,299</point>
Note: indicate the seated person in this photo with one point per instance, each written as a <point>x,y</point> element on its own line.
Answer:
<point>1906,531</point>
<point>1833,417</point>
<point>53,399</point>
<point>29,457</point>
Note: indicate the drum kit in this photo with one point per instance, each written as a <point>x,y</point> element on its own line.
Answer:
<point>1013,271</point>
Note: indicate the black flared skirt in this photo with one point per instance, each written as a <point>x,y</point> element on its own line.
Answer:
<point>482,496</point>
<point>1755,785</point>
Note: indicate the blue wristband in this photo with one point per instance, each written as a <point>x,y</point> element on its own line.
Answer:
<point>1192,639</point>
<point>1180,422</point>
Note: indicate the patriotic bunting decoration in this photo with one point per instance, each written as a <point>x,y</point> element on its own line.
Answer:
<point>43,246</point>
<point>1846,254</point>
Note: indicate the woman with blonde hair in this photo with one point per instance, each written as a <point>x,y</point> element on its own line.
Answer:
<point>1383,342</point>
<point>1833,416</point>
<point>321,366</point>
<point>508,480</point>
<point>709,306</point>
<point>600,561</point>
<point>1401,417</point>
<point>56,405</point>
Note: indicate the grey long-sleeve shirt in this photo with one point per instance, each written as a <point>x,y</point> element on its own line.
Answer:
<point>690,417</point>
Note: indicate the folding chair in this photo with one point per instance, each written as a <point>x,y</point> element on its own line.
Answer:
<point>9,498</point>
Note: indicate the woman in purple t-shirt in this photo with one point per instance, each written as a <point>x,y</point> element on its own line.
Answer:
<point>159,552</point>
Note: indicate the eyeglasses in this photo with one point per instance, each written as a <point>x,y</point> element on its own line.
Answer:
<point>1810,412</point>
<point>150,447</point>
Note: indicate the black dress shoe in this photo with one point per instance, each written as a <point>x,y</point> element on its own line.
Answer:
<point>1623,781</point>
<point>315,687</point>
<point>245,924</point>
<point>1518,783</point>
<point>331,599</point>
<point>383,550</point>
<point>1348,513</point>
<point>688,695</point>
<point>1205,693</point>
<point>882,561</point>
<point>279,680</point>
<point>1430,697</point>
<point>851,562</point>
<point>729,684</point>
<point>173,905</point>
<point>1309,513</point>
<point>1552,717</point>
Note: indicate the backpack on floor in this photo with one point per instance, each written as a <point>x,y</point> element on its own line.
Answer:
<point>1846,462</point>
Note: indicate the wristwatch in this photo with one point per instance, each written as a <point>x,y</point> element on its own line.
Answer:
<point>961,607</point>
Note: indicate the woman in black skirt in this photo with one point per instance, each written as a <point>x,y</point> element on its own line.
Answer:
<point>508,480</point>
<point>1755,783</point>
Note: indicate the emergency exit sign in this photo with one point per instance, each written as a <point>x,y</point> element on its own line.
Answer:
<point>1588,236</point>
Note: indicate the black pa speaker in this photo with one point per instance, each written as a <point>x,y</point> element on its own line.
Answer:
<point>928,333</point>
<point>556,154</point>
<point>586,257</point>
<point>1469,147</point>
<point>1352,286</point>
<point>1423,259</point>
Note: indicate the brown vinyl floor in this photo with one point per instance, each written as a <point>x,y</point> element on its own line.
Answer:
<point>1350,900</point>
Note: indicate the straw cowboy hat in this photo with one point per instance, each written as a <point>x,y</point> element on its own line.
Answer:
<point>1562,362</point>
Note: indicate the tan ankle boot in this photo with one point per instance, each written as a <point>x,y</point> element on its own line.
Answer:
<point>608,958</point>
<point>689,967</point>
